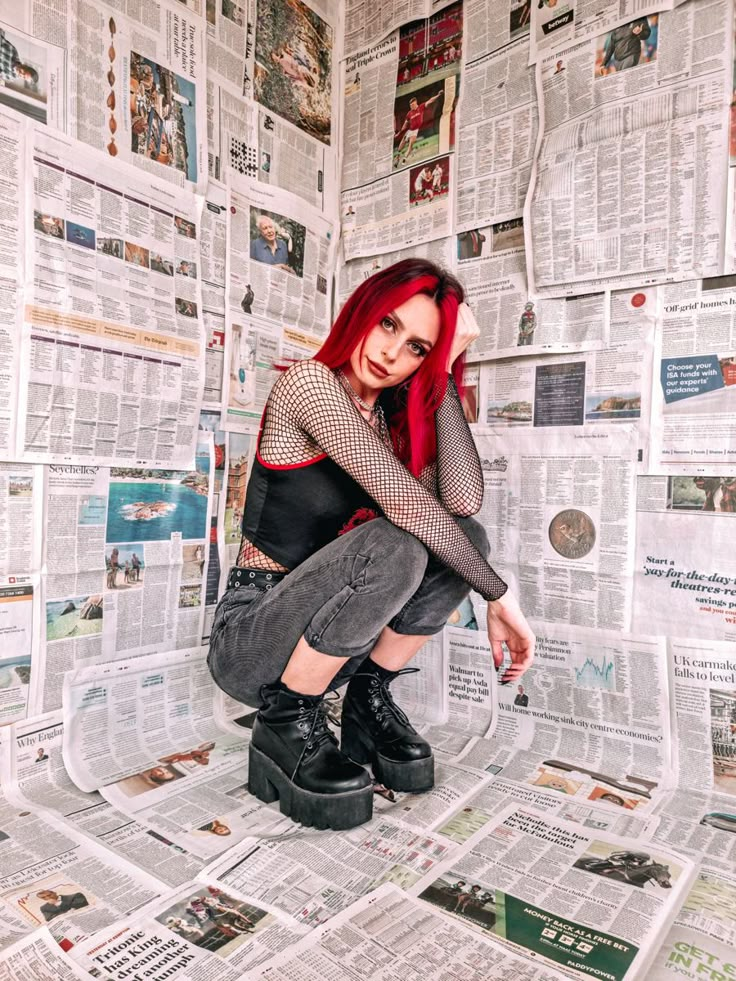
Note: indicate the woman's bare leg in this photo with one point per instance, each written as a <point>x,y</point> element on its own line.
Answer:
<point>310,672</point>
<point>393,651</point>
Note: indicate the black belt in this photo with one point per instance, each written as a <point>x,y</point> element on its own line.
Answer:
<point>243,578</point>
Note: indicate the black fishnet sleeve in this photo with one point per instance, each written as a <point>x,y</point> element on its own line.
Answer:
<point>309,396</point>
<point>459,475</point>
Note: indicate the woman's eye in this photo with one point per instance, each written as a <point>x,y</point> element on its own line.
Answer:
<point>417,349</point>
<point>387,323</point>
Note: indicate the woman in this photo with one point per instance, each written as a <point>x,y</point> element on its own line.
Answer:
<point>357,545</point>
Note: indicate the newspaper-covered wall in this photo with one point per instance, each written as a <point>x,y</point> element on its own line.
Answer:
<point>189,193</point>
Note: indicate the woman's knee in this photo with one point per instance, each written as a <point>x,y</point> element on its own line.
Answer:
<point>395,551</point>
<point>476,533</point>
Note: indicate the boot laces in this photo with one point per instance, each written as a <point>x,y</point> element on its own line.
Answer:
<point>313,723</point>
<point>387,705</point>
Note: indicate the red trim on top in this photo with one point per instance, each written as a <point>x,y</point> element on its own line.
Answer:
<point>281,466</point>
<point>288,466</point>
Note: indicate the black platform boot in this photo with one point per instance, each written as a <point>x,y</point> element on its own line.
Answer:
<point>376,731</point>
<point>294,758</point>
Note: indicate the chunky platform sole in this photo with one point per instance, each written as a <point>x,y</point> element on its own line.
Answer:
<point>413,776</point>
<point>268,782</point>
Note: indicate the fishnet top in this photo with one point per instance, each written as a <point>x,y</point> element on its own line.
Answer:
<point>309,413</point>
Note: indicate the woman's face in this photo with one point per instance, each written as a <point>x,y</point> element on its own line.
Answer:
<point>395,347</point>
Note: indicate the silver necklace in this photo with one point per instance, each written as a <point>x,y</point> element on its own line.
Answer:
<point>377,417</point>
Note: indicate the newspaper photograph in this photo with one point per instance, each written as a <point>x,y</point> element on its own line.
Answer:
<point>146,709</point>
<point>559,508</point>
<point>694,377</point>
<point>527,879</point>
<point>685,570</point>
<point>628,206</point>
<point>313,875</point>
<point>239,448</point>
<point>126,558</point>
<point>112,355</point>
<point>34,776</point>
<point>497,134</point>
<point>197,932</point>
<point>590,721</point>
<point>383,932</point>
<point>556,24</point>
<point>397,175</point>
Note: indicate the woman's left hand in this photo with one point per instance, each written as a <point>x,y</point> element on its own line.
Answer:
<point>466,332</point>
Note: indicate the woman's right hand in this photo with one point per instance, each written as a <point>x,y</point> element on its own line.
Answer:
<point>507,624</point>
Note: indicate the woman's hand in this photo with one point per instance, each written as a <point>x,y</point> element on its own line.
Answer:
<point>507,624</point>
<point>466,332</point>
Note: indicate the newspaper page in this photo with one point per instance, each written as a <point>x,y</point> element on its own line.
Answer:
<point>275,142</point>
<point>694,381</point>
<point>492,798</point>
<point>527,878</point>
<point>35,776</point>
<point>112,356</point>
<point>470,687</point>
<point>12,196</point>
<point>211,422</point>
<point>198,797</point>
<point>685,569</point>
<point>586,390</point>
<point>213,236</point>
<point>20,629</point>
<point>38,957</point>
<point>423,693</point>
<point>351,274</point>
<point>126,552</point>
<point>556,24</point>
<point>399,939</point>
<point>21,486</point>
<point>311,875</point>
<point>491,266</point>
<point>590,721</point>
<point>492,26</point>
<point>497,134</point>
<point>701,941</point>
<point>280,261</point>
<point>121,718</point>
<point>616,196</point>
<point>195,933</point>
<point>137,85</point>
<point>239,448</point>
<point>53,875</point>
<point>399,108</point>
<point>560,510</point>
<point>366,22</point>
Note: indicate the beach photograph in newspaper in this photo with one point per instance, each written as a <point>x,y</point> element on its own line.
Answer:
<point>32,77</point>
<point>510,876</point>
<point>293,65</point>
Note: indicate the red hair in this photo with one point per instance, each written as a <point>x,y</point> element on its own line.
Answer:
<point>411,414</point>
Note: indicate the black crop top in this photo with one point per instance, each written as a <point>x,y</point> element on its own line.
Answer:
<point>327,468</point>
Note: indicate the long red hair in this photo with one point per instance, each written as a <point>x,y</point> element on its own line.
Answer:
<point>411,406</point>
